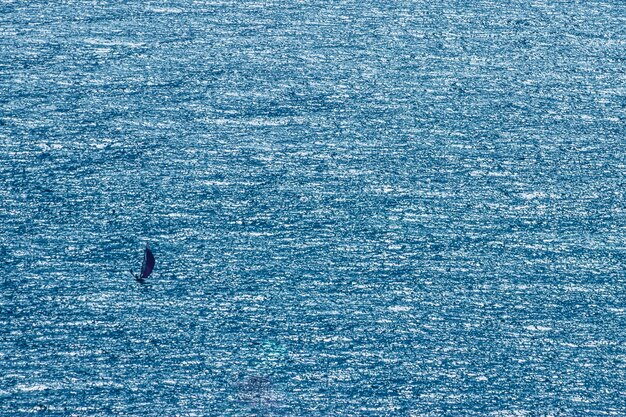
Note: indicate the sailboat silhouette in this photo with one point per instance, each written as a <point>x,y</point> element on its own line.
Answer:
<point>147,265</point>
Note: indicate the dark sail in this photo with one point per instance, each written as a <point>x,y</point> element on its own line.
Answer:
<point>148,263</point>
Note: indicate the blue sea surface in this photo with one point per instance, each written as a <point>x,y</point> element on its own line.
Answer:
<point>357,208</point>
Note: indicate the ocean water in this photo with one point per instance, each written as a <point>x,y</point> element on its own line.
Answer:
<point>358,208</point>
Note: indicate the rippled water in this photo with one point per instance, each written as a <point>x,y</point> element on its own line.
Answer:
<point>395,208</point>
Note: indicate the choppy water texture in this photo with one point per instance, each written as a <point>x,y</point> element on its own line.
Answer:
<point>358,208</point>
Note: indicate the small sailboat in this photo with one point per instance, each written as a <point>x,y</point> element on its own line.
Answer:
<point>147,266</point>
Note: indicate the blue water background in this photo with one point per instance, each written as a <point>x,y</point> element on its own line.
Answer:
<point>358,208</point>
